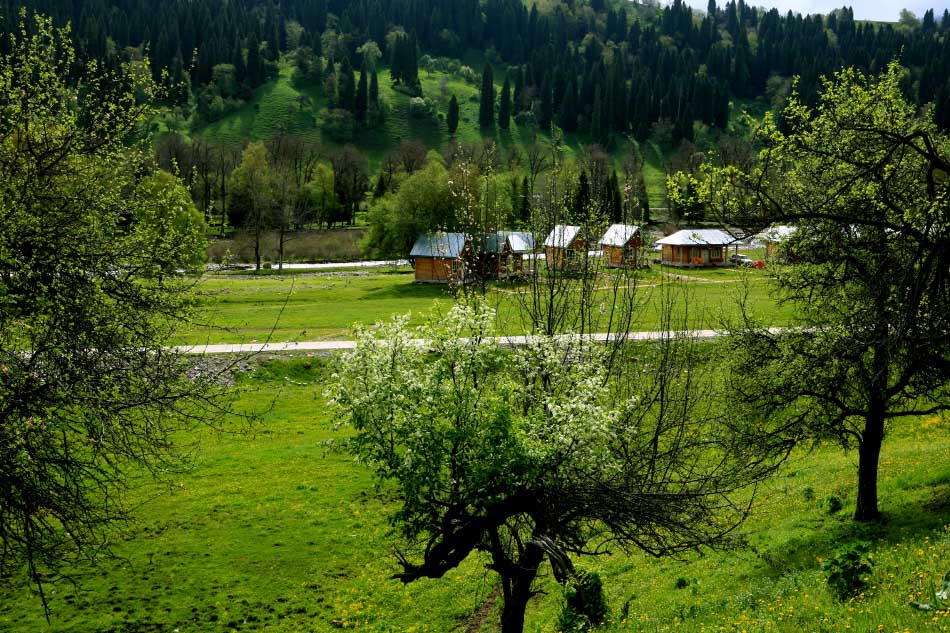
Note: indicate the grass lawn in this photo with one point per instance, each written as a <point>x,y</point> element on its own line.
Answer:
<point>309,307</point>
<point>269,531</point>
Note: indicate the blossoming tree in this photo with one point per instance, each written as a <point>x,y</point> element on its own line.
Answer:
<point>538,452</point>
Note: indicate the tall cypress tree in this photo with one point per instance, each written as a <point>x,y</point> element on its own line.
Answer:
<point>525,212</point>
<point>547,107</point>
<point>581,198</point>
<point>347,86</point>
<point>374,92</point>
<point>362,97</point>
<point>519,88</point>
<point>504,108</point>
<point>237,58</point>
<point>452,118</point>
<point>597,130</point>
<point>255,65</point>
<point>486,107</point>
<point>568,114</point>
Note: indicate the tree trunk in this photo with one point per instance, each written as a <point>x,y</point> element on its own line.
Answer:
<point>257,246</point>
<point>869,453</point>
<point>516,582</point>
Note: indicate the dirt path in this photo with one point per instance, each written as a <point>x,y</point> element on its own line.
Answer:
<point>481,614</point>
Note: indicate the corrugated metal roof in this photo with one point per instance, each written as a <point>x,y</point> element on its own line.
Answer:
<point>493,243</point>
<point>698,237</point>
<point>619,235</point>
<point>520,241</point>
<point>777,233</point>
<point>562,235</point>
<point>444,245</point>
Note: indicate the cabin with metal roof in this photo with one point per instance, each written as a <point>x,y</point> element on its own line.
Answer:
<point>440,257</point>
<point>621,246</point>
<point>502,254</point>
<point>774,239</point>
<point>696,247</point>
<point>565,247</point>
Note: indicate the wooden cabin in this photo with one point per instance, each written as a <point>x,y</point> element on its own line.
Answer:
<point>494,255</point>
<point>565,247</point>
<point>621,246</point>
<point>774,239</point>
<point>696,247</point>
<point>522,248</point>
<point>441,257</point>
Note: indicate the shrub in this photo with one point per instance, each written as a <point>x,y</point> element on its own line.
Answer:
<point>585,605</point>
<point>848,569</point>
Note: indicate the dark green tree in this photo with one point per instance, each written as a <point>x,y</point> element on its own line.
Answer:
<point>347,86</point>
<point>567,117</point>
<point>504,107</point>
<point>374,92</point>
<point>858,176</point>
<point>486,105</point>
<point>255,65</point>
<point>452,117</point>
<point>92,240</point>
<point>362,97</point>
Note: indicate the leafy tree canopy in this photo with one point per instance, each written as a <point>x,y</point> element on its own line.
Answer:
<point>91,239</point>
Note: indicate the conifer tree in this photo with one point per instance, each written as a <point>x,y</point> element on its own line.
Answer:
<point>597,132</point>
<point>547,107</point>
<point>452,118</point>
<point>486,107</point>
<point>519,89</point>
<point>255,65</point>
<point>237,59</point>
<point>347,86</point>
<point>568,113</point>
<point>504,108</point>
<point>374,92</point>
<point>362,97</point>
<point>581,204</point>
<point>525,212</point>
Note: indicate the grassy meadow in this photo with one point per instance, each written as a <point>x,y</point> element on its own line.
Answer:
<point>268,531</point>
<point>325,306</point>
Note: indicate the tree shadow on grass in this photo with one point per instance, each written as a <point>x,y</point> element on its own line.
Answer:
<point>410,290</point>
<point>906,518</point>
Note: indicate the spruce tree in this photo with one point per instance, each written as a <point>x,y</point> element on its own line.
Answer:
<point>237,59</point>
<point>255,65</point>
<point>568,114</point>
<point>597,132</point>
<point>547,107</point>
<point>519,89</point>
<point>486,107</point>
<point>374,92</point>
<point>504,108</point>
<point>581,201</point>
<point>347,86</point>
<point>452,118</point>
<point>362,97</point>
<point>525,213</point>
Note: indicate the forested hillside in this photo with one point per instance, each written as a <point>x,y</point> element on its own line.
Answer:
<point>647,87</point>
<point>600,64</point>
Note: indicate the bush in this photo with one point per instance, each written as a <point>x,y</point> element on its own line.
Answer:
<point>469,75</point>
<point>526,118</point>
<point>420,108</point>
<point>585,605</point>
<point>848,570</point>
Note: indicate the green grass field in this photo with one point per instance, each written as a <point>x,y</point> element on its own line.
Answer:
<point>269,531</point>
<point>302,307</point>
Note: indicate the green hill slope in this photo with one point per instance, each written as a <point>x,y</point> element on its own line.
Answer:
<point>278,107</point>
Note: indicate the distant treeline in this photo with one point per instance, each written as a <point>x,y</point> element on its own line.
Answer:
<point>600,65</point>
